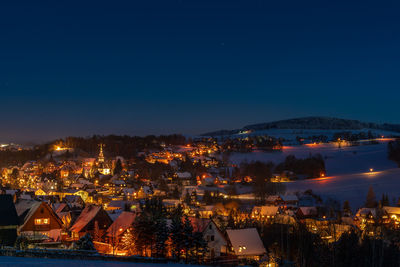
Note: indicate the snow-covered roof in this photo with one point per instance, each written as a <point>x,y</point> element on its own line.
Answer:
<point>392,210</point>
<point>123,222</point>
<point>289,198</point>
<point>199,224</point>
<point>365,211</point>
<point>86,216</point>
<point>24,205</point>
<point>59,207</point>
<point>308,211</point>
<point>273,198</point>
<point>184,175</point>
<point>246,242</point>
<point>266,210</point>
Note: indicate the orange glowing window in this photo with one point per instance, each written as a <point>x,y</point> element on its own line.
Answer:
<point>42,221</point>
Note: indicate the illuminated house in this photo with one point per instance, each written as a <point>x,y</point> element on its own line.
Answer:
<point>264,212</point>
<point>245,243</point>
<point>93,220</point>
<point>38,220</point>
<point>393,214</point>
<point>119,227</point>
<point>216,241</point>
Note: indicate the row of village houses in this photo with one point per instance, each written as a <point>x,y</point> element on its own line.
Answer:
<point>48,223</point>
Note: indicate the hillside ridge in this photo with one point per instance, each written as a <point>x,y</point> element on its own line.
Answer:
<point>312,122</point>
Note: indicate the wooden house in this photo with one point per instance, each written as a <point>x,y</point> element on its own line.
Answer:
<point>38,221</point>
<point>93,220</point>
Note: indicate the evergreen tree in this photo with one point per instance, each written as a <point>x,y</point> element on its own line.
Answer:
<point>161,236</point>
<point>177,236</point>
<point>199,245</point>
<point>346,248</point>
<point>144,233</point>
<point>384,200</point>
<point>346,207</point>
<point>371,199</point>
<point>85,243</point>
<point>188,236</point>
<point>128,241</point>
<point>118,167</point>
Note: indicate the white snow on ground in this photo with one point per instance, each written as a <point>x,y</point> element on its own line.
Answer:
<point>40,262</point>
<point>348,171</point>
<point>345,160</point>
<point>353,187</point>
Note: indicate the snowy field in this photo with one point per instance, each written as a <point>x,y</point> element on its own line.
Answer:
<point>348,171</point>
<point>353,187</point>
<point>345,160</point>
<point>39,262</point>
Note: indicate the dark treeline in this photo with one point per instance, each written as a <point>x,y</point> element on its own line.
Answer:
<point>251,142</point>
<point>311,167</point>
<point>125,146</point>
<point>352,137</point>
<point>17,157</point>
<point>394,151</point>
<point>262,172</point>
<point>150,234</point>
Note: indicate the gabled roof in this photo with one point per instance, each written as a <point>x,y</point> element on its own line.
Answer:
<point>183,175</point>
<point>289,198</point>
<point>246,242</point>
<point>199,224</point>
<point>26,209</point>
<point>8,213</point>
<point>23,207</point>
<point>86,216</point>
<point>62,207</point>
<point>273,198</point>
<point>366,211</point>
<point>121,224</point>
<point>392,210</point>
<point>73,198</point>
<point>266,210</point>
<point>308,211</point>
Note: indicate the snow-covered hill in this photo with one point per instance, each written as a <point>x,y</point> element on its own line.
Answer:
<point>318,124</point>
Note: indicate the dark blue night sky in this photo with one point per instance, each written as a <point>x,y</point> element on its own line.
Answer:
<point>154,67</point>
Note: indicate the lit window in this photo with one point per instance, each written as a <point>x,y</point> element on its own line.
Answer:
<point>42,221</point>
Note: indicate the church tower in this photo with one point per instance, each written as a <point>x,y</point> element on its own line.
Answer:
<point>101,154</point>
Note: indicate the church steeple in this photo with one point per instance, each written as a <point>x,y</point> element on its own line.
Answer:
<point>101,155</point>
